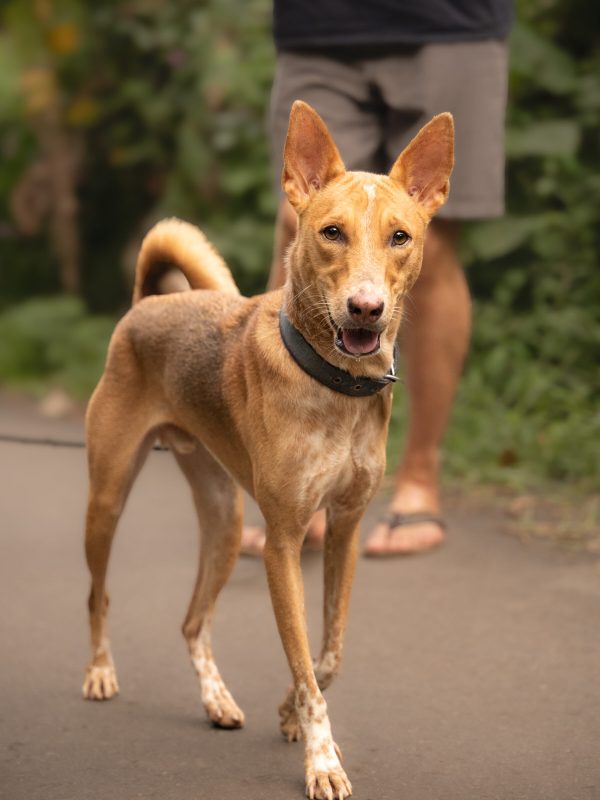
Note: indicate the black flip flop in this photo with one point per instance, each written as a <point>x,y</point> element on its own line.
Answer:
<point>399,519</point>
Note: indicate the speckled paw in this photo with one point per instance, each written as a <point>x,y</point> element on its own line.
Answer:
<point>100,683</point>
<point>288,720</point>
<point>332,785</point>
<point>223,711</point>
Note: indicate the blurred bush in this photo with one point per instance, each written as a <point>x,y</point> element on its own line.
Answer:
<point>115,114</point>
<point>531,396</point>
<point>53,341</point>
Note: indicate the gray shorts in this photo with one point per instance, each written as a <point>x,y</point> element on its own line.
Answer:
<point>374,106</point>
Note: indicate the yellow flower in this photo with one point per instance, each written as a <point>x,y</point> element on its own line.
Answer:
<point>39,89</point>
<point>82,111</point>
<point>64,38</point>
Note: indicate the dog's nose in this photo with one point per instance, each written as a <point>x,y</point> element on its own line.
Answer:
<point>365,306</point>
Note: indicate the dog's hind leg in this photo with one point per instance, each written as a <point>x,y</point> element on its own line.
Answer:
<point>218,503</point>
<point>118,442</point>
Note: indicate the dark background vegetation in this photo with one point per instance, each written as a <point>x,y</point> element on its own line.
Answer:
<point>115,114</point>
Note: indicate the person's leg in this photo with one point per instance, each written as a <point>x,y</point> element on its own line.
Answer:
<point>286,225</point>
<point>435,337</point>
<point>469,80</point>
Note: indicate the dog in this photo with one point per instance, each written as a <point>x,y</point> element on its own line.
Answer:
<point>286,396</point>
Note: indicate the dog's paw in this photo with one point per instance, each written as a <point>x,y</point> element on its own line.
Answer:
<point>288,719</point>
<point>100,683</point>
<point>330,785</point>
<point>222,710</point>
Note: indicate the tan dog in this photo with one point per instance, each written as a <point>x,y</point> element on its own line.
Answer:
<point>208,372</point>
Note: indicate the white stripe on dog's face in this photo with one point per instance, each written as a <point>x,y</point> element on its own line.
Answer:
<point>369,254</point>
<point>371,190</point>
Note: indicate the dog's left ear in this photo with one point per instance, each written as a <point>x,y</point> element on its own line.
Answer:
<point>310,158</point>
<point>424,166</point>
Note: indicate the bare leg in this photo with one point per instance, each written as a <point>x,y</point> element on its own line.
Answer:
<point>218,503</point>
<point>286,225</point>
<point>435,341</point>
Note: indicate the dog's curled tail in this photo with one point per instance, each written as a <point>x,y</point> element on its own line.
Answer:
<point>176,245</point>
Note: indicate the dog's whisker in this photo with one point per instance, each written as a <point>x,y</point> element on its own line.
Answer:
<point>408,297</point>
<point>301,292</point>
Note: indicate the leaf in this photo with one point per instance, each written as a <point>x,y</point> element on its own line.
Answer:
<point>557,137</point>
<point>10,95</point>
<point>540,61</point>
<point>496,238</point>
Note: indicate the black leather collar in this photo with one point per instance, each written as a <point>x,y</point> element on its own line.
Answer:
<point>337,379</point>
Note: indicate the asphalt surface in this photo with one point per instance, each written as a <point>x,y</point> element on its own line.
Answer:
<point>469,674</point>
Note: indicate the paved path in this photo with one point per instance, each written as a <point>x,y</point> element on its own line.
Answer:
<point>471,674</point>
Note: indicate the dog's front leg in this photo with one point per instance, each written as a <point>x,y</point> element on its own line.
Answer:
<point>325,778</point>
<point>341,547</point>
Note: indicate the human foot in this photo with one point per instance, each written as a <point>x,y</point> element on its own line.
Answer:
<point>413,525</point>
<point>405,534</point>
<point>253,537</point>
<point>253,541</point>
<point>316,532</point>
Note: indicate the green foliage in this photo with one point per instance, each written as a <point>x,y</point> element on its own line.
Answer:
<point>187,120</point>
<point>53,341</point>
<point>528,404</point>
<point>166,102</point>
<point>528,408</point>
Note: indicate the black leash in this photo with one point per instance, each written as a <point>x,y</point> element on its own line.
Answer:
<point>47,442</point>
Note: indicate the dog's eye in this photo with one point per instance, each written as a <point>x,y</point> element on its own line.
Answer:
<point>332,232</point>
<point>399,238</point>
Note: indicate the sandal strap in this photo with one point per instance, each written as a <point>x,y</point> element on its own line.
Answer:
<point>396,519</point>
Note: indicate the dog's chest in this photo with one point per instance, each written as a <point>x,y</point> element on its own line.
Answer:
<point>341,455</point>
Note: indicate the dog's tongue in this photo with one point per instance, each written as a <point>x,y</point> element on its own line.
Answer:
<point>359,340</point>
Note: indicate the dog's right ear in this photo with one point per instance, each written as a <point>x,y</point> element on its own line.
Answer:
<point>310,158</point>
<point>424,166</point>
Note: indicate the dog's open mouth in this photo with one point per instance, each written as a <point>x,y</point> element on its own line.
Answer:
<point>357,341</point>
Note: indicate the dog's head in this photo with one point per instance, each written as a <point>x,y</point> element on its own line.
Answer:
<point>360,236</point>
